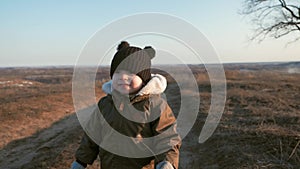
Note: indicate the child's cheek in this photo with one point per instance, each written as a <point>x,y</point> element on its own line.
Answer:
<point>114,85</point>
<point>136,83</point>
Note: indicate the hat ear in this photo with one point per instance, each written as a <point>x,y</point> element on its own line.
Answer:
<point>150,51</point>
<point>123,45</point>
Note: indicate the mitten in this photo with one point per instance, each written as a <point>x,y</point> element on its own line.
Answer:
<point>76,165</point>
<point>164,165</point>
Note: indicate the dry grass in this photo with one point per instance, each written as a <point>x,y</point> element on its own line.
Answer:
<point>260,127</point>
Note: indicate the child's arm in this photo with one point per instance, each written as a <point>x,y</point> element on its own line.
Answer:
<point>165,126</point>
<point>87,151</point>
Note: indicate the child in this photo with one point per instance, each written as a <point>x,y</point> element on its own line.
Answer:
<point>134,108</point>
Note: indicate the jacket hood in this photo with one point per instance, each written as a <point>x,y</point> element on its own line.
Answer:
<point>156,85</point>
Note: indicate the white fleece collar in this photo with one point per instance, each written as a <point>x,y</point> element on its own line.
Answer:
<point>156,85</point>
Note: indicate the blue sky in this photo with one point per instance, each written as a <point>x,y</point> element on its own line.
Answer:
<point>40,32</point>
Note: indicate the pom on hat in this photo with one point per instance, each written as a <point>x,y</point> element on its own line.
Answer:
<point>122,45</point>
<point>150,51</point>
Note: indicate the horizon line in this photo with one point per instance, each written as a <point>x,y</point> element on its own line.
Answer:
<point>163,64</point>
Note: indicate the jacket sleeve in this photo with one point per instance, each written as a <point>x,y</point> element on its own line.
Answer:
<point>168,141</point>
<point>87,151</point>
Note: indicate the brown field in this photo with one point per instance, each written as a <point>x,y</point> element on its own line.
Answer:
<point>260,126</point>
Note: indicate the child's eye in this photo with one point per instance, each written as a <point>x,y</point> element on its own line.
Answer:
<point>125,72</point>
<point>130,73</point>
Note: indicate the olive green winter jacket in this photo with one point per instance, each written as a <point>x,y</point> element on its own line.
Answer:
<point>133,133</point>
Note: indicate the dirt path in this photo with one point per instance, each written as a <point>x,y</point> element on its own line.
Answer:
<point>42,149</point>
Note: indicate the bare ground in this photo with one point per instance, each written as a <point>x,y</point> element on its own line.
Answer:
<point>260,127</point>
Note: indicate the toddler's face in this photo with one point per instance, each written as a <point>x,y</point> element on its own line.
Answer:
<point>126,82</point>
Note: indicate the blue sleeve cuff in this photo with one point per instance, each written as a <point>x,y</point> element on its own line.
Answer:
<point>76,165</point>
<point>164,165</point>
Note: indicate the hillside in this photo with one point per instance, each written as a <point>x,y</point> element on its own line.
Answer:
<point>260,126</point>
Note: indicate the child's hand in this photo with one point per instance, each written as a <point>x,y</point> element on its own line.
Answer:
<point>76,165</point>
<point>164,165</point>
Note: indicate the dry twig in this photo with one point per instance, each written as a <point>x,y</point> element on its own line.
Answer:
<point>294,150</point>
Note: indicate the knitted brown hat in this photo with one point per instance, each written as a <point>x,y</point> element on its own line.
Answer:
<point>134,60</point>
